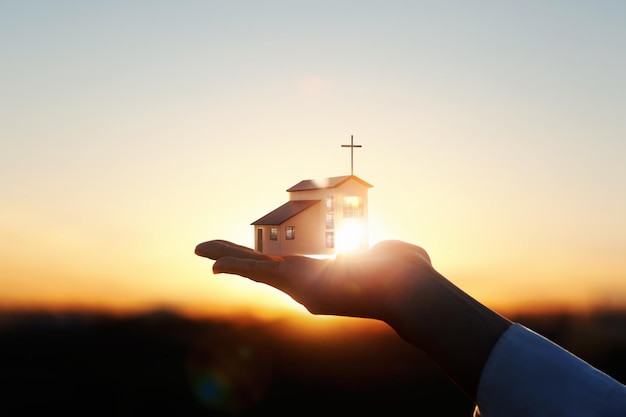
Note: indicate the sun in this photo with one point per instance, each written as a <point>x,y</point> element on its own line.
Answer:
<point>351,236</point>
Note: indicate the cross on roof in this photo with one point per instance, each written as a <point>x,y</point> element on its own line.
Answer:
<point>351,146</point>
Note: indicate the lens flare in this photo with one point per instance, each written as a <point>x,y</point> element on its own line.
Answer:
<point>229,377</point>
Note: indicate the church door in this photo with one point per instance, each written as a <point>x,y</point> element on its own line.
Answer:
<point>259,239</point>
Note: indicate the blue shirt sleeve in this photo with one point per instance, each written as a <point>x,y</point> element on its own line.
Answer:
<point>528,375</point>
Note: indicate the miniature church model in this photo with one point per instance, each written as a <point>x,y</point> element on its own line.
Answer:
<point>322,217</point>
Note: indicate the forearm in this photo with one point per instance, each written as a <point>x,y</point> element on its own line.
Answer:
<point>450,326</point>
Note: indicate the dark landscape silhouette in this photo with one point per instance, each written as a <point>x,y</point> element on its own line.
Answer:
<point>165,364</point>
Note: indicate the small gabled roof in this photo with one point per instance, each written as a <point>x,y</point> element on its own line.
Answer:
<point>331,182</point>
<point>285,212</point>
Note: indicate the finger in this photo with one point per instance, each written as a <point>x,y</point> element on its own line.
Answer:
<point>266,271</point>
<point>216,249</point>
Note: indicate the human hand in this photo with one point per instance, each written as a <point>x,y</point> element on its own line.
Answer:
<point>370,284</point>
<point>394,282</point>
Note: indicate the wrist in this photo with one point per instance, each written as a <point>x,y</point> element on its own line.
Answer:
<point>451,327</point>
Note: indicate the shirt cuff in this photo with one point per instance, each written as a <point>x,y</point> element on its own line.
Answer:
<point>528,375</point>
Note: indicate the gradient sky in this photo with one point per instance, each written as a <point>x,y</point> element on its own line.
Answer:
<point>493,133</point>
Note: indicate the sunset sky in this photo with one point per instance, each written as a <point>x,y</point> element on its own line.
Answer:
<point>493,134</point>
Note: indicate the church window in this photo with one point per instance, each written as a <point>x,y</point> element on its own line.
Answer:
<point>330,203</point>
<point>330,221</point>
<point>353,206</point>
<point>330,240</point>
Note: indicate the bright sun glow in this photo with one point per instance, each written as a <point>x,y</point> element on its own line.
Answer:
<point>350,236</point>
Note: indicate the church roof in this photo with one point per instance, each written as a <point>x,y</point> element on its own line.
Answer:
<point>285,212</point>
<point>331,182</point>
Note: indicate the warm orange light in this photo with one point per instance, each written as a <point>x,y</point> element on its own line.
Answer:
<point>350,236</point>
